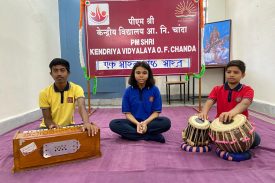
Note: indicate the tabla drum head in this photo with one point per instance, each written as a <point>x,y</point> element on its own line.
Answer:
<point>199,123</point>
<point>236,122</point>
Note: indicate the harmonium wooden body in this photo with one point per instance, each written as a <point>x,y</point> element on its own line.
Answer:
<point>45,147</point>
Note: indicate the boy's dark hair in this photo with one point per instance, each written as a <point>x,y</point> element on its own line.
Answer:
<point>150,81</point>
<point>238,63</point>
<point>60,61</point>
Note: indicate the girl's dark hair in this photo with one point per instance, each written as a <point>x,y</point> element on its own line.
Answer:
<point>60,61</point>
<point>238,63</point>
<point>150,81</point>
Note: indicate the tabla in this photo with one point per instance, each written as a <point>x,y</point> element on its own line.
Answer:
<point>196,133</point>
<point>234,136</point>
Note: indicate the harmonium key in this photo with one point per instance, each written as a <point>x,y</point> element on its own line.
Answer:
<point>45,147</point>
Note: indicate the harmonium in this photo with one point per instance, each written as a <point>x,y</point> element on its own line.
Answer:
<point>50,146</point>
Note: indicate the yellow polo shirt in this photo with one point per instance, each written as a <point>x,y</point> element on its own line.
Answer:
<point>61,104</point>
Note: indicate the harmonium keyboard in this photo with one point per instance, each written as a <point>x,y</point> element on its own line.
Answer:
<point>45,147</point>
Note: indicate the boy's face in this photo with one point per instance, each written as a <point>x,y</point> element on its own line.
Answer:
<point>234,75</point>
<point>59,73</point>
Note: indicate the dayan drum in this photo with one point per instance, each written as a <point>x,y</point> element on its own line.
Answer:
<point>234,136</point>
<point>196,133</point>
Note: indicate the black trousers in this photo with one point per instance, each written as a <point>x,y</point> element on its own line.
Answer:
<point>128,130</point>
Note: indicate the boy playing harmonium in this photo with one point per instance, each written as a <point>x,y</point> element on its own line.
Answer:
<point>57,101</point>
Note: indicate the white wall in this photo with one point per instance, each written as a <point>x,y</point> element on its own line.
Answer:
<point>29,39</point>
<point>214,76</point>
<point>253,36</point>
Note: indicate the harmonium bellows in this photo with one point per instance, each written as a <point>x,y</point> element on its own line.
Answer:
<point>45,147</point>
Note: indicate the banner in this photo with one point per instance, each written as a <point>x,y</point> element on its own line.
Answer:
<point>163,33</point>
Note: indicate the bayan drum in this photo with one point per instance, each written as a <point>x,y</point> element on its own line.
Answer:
<point>196,133</point>
<point>235,136</point>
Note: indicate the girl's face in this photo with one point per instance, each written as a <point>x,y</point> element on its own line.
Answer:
<point>141,76</point>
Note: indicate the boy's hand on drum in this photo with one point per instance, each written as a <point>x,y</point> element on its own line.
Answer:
<point>202,116</point>
<point>226,117</point>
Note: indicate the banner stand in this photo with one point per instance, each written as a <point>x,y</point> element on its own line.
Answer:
<point>90,110</point>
